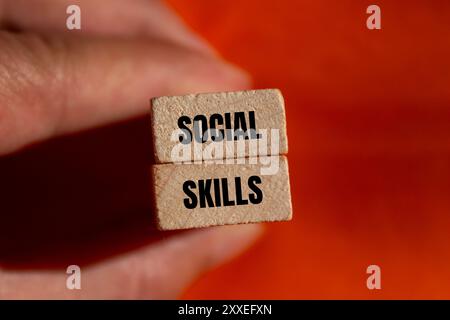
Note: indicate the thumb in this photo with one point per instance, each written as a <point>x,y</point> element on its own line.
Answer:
<point>159,271</point>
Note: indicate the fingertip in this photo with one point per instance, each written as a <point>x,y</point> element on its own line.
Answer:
<point>227,242</point>
<point>236,76</point>
<point>206,73</point>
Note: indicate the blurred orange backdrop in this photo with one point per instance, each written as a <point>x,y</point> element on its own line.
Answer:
<point>369,145</point>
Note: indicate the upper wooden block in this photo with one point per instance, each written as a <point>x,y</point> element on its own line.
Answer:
<point>243,116</point>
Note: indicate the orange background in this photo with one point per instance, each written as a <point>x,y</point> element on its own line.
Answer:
<point>369,145</point>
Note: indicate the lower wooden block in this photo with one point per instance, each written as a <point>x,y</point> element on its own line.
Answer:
<point>201,195</point>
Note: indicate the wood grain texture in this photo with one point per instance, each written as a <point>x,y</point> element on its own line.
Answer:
<point>267,105</point>
<point>172,212</point>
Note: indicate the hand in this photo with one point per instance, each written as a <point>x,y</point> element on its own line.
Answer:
<point>75,149</point>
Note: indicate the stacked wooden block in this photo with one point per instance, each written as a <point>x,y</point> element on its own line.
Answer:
<point>220,159</point>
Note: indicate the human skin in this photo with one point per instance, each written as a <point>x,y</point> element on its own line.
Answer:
<point>55,82</point>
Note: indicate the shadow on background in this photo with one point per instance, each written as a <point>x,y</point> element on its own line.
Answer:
<point>78,198</point>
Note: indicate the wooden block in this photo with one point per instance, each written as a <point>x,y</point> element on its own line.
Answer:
<point>201,195</point>
<point>254,109</point>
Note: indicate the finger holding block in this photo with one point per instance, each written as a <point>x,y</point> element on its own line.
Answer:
<point>253,116</point>
<point>201,195</point>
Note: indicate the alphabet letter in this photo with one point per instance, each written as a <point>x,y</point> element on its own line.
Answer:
<point>74,20</point>
<point>374,280</point>
<point>74,280</point>
<point>374,20</point>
